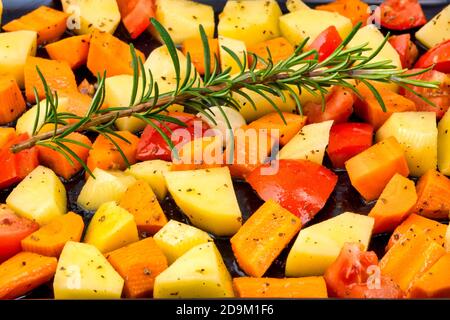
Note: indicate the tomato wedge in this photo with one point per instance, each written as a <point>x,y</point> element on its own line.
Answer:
<point>300,186</point>
<point>152,145</point>
<point>136,15</point>
<point>352,276</point>
<point>439,56</point>
<point>12,230</point>
<point>402,14</point>
<point>326,42</point>
<point>347,140</point>
<point>406,49</point>
<point>338,107</point>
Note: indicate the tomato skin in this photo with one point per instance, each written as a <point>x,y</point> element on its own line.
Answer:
<point>347,140</point>
<point>439,56</point>
<point>300,186</point>
<point>12,230</point>
<point>326,42</point>
<point>440,97</point>
<point>402,14</point>
<point>136,15</point>
<point>338,107</point>
<point>152,146</point>
<point>406,49</point>
<point>349,275</point>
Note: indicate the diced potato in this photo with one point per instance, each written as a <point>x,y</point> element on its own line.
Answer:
<point>15,47</point>
<point>250,21</point>
<point>105,187</point>
<point>418,135</point>
<point>199,273</point>
<point>436,30</point>
<point>111,228</point>
<point>182,18</point>
<point>298,25</point>
<point>207,197</point>
<point>226,60</point>
<point>118,94</point>
<point>152,172</point>
<point>176,238</point>
<point>309,144</point>
<point>318,246</point>
<point>84,273</point>
<point>444,144</point>
<point>41,196</point>
<point>296,5</point>
<point>87,15</point>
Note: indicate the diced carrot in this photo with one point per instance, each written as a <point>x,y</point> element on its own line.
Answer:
<point>194,47</point>
<point>433,191</point>
<point>6,134</point>
<point>355,10</point>
<point>280,49</point>
<point>73,50</point>
<point>395,203</point>
<point>77,103</point>
<point>12,104</point>
<point>110,54</point>
<point>141,201</point>
<point>138,263</point>
<point>410,257</point>
<point>59,163</point>
<point>369,109</point>
<point>371,170</point>
<point>105,154</point>
<point>287,130</point>
<point>435,283</point>
<point>57,74</point>
<point>307,287</point>
<point>50,239</point>
<point>49,24</point>
<point>263,236</point>
<point>25,272</point>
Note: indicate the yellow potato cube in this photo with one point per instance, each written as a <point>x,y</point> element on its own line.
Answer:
<point>436,30</point>
<point>444,144</point>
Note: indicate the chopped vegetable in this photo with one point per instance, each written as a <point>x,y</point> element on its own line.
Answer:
<point>279,48</point>
<point>12,104</point>
<point>405,48</point>
<point>50,239</point>
<point>402,14</point>
<point>433,191</point>
<point>435,282</point>
<point>136,15</point>
<point>443,144</point>
<point>263,236</point>
<point>326,43</point>
<point>436,30</point>
<point>238,47</point>
<point>438,57</point>
<point>73,50</point>
<point>194,47</point>
<point>355,10</point>
<point>6,135</point>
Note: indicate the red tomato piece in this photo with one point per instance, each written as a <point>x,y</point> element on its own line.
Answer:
<point>152,145</point>
<point>15,167</point>
<point>300,186</point>
<point>439,56</point>
<point>406,49</point>
<point>402,14</point>
<point>136,15</point>
<point>12,230</point>
<point>338,107</point>
<point>347,140</point>
<point>352,276</point>
<point>440,97</point>
<point>326,42</point>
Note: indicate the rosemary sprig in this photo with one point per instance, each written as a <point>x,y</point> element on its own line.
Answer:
<point>301,70</point>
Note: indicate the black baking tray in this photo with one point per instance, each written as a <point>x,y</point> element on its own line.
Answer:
<point>344,197</point>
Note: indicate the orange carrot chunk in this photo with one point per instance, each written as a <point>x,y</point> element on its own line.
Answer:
<point>280,49</point>
<point>394,204</point>
<point>286,130</point>
<point>50,239</point>
<point>73,50</point>
<point>410,258</point>
<point>6,135</point>
<point>57,74</point>
<point>435,283</point>
<point>12,104</point>
<point>355,10</point>
<point>307,287</point>
<point>49,24</point>
<point>433,191</point>
<point>138,263</point>
<point>263,236</point>
<point>141,201</point>
<point>110,54</point>
<point>433,229</point>
<point>25,272</point>
<point>194,47</point>
<point>371,170</point>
